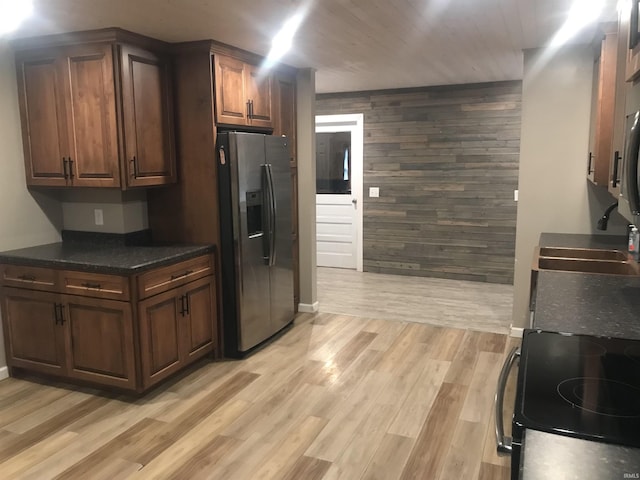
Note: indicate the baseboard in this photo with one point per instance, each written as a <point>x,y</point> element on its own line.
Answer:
<point>308,307</point>
<point>4,373</point>
<point>517,332</point>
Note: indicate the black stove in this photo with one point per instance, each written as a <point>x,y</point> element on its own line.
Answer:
<point>581,386</point>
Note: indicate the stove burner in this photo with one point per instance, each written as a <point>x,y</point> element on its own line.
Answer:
<point>633,353</point>
<point>589,348</point>
<point>600,396</point>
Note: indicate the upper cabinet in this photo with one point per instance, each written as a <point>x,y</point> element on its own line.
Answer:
<point>616,165</point>
<point>95,113</point>
<point>602,107</point>
<point>243,93</point>
<point>633,39</point>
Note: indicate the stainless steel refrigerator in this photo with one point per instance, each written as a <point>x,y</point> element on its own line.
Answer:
<point>256,245</point>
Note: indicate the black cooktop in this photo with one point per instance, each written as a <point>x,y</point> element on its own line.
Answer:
<point>582,386</point>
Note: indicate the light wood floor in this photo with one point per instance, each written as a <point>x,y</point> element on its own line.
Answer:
<point>335,397</point>
<point>451,303</point>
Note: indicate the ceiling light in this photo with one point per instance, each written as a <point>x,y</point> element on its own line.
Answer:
<point>12,13</point>
<point>582,13</point>
<point>281,43</point>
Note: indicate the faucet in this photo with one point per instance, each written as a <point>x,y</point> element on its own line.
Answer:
<point>604,220</point>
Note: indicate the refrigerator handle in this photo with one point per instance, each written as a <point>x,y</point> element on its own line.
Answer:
<point>272,220</point>
<point>266,216</point>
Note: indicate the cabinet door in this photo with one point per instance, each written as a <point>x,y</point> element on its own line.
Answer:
<point>35,337</point>
<point>200,321</point>
<point>159,336</point>
<point>100,339</point>
<point>603,104</point>
<point>91,108</point>
<point>148,118</point>
<point>43,117</point>
<point>258,92</point>
<point>231,103</point>
<point>615,168</point>
<point>285,117</point>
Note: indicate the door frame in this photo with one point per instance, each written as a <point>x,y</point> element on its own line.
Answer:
<point>353,123</point>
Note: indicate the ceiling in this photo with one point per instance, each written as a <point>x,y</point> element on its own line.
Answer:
<point>353,44</point>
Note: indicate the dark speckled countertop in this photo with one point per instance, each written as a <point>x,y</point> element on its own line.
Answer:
<point>587,303</point>
<point>102,258</point>
<point>549,456</point>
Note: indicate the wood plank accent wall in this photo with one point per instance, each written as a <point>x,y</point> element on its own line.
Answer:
<point>446,161</point>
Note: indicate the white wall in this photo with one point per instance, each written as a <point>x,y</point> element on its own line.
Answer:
<point>26,218</point>
<point>123,212</point>
<point>306,153</point>
<point>555,195</point>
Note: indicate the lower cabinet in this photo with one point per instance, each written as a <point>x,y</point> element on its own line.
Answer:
<point>176,329</point>
<point>33,334</point>
<point>120,343</point>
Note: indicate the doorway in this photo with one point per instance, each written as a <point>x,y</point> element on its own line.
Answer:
<point>339,171</point>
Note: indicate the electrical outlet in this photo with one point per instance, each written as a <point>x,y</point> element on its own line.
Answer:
<point>98,216</point>
<point>374,192</point>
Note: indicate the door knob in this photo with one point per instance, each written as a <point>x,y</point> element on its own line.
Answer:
<point>354,201</point>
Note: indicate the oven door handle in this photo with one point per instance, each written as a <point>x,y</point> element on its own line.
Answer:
<point>504,443</point>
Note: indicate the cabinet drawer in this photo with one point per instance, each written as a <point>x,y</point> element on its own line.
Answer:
<point>95,285</point>
<point>165,278</point>
<point>34,278</point>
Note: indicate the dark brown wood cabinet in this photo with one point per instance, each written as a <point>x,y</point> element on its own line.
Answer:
<point>619,111</point>
<point>100,332</point>
<point>176,329</point>
<point>100,345</point>
<point>243,93</point>
<point>602,107</point>
<point>73,90</point>
<point>32,330</point>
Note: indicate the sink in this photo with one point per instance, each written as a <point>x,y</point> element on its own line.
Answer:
<point>586,265</point>
<point>583,253</point>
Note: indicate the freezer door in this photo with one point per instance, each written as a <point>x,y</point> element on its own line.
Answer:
<point>281,269</point>
<point>247,161</point>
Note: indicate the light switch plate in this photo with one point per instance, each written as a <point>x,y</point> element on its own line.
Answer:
<point>374,192</point>
<point>98,216</point>
<point>515,195</point>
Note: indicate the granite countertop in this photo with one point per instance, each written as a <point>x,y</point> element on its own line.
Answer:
<point>547,455</point>
<point>102,258</point>
<point>587,303</point>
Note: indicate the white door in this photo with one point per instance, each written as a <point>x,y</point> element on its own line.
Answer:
<point>339,215</point>
<point>336,230</point>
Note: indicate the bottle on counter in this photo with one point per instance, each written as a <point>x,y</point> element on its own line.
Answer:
<point>634,239</point>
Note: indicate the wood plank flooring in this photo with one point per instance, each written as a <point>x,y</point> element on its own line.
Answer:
<point>336,397</point>
<point>450,303</point>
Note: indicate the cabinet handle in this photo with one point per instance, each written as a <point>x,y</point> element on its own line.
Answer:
<point>589,171</point>
<point>249,109</point>
<point>27,278</point>
<point>55,313</point>
<point>61,306</point>
<point>616,161</point>
<point>70,169</point>
<point>181,275</point>
<point>134,167</point>
<point>183,309</point>
<point>97,286</point>
<point>64,167</point>
<point>187,302</point>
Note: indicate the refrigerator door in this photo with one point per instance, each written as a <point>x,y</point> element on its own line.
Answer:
<point>250,209</point>
<point>281,259</point>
